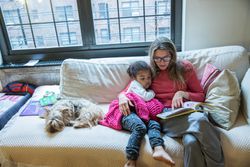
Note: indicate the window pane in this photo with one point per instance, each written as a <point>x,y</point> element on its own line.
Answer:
<point>14,12</point>
<point>133,21</point>
<point>20,37</point>
<point>35,22</point>
<point>112,27</point>
<point>154,24</point>
<point>136,28</point>
<point>49,37</point>
<point>101,8</point>
<point>40,11</point>
<point>69,32</point>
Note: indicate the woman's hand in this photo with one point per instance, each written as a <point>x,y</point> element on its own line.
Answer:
<point>124,104</point>
<point>177,100</point>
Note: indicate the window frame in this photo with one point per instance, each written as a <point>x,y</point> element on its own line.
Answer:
<point>89,50</point>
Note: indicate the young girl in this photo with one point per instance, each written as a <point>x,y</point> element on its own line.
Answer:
<point>142,118</point>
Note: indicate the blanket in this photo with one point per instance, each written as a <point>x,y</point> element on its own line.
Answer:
<point>145,110</point>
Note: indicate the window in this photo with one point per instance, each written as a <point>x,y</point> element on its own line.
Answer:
<point>39,41</point>
<point>34,14</point>
<point>164,31</point>
<point>59,29</point>
<point>68,38</point>
<point>163,7</point>
<point>11,16</point>
<point>64,13</point>
<point>103,10</point>
<point>18,42</point>
<point>130,8</point>
<point>131,34</point>
<point>104,35</point>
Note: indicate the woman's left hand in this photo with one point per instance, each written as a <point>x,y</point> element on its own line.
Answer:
<point>177,100</point>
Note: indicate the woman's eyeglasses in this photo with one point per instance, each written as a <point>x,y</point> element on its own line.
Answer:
<point>164,59</point>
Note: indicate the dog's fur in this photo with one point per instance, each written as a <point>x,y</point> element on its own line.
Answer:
<point>72,112</point>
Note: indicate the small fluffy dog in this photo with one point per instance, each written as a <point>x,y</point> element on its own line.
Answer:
<point>72,112</point>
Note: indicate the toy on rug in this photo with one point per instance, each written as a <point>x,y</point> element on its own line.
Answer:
<point>72,112</point>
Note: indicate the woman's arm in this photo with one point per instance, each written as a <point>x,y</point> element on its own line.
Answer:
<point>194,91</point>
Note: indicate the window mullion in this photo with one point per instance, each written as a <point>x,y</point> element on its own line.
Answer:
<point>86,22</point>
<point>53,17</point>
<point>119,21</point>
<point>31,27</point>
<point>176,24</point>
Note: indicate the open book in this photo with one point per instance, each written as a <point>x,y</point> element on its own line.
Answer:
<point>188,107</point>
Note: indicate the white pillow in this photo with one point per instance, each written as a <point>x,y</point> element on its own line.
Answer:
<point>224,94</point>
<point>100,82</point>
<point>245,88</point>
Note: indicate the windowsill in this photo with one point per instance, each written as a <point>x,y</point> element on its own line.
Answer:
<point>39,64</point>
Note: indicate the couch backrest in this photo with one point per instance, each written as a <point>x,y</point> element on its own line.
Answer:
<point>101,80</point>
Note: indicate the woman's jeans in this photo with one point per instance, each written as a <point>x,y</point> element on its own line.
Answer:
<point>138,130</point>
<point>201,140</point>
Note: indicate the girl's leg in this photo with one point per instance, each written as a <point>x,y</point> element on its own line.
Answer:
<point>138,130</point>
<point>157,143</point>
<point>207,138</point>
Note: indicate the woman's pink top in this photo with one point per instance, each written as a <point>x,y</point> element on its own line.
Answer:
<point>165,88</point>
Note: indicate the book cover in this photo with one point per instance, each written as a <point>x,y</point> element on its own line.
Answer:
<point>188,107</point>
<point>34,108</point>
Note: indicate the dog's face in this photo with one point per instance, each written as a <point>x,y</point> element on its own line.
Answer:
<point>57,118</point>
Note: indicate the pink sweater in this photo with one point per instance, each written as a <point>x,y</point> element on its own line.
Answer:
<point>165,89</point>
<point>145,110</point>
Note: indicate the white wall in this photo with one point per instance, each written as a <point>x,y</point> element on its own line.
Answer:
<point>211,23</point>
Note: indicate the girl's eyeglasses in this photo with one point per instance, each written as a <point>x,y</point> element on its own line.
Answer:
<point>164,59</point>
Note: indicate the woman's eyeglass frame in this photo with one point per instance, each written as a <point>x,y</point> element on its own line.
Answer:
<point>164,59</point>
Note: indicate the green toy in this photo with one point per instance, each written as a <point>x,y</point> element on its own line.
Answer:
<point>48,99</point>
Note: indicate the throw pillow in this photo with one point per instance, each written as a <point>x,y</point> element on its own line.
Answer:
<point>209,75</point>
<point>224,94</point>
<point>245,88</point>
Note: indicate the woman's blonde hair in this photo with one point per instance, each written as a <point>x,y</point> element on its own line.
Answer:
<point>175,68</point>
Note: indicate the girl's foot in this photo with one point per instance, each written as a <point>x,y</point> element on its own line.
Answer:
<point>130,163</point>
<point>161,155</point>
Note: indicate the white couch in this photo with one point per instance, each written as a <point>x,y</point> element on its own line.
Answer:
<point>24,141</point>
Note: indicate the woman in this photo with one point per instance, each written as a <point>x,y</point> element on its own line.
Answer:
<point>175,82</point>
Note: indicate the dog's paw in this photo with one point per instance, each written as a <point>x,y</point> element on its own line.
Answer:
<point>82,124</point>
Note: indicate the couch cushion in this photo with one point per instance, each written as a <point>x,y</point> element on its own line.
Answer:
<point>245,88</point>
<point>98,81</point>
<point>236,144</point>
<point>228,57</point>
<point>224,94</point>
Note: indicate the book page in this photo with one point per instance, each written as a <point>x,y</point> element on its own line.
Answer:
<point>190,104</point>
<point>175,112</point>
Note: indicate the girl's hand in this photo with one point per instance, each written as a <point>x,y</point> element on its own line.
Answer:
<point>177,100</point>
<point>124,104</point>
